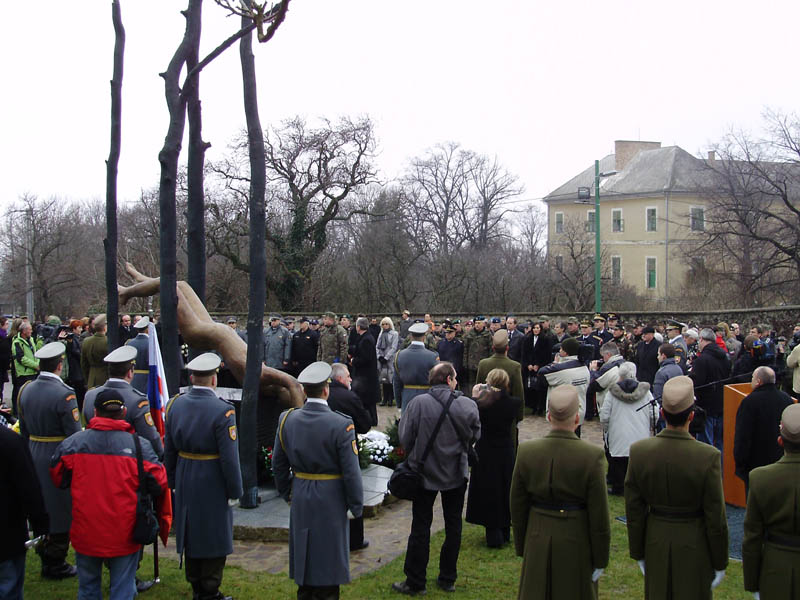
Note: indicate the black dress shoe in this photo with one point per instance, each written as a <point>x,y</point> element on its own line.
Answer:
<point>363,545</point>
<point>446,586</point>
<point>62,571</point>
<point>143,586</point>
<point>403,588</point>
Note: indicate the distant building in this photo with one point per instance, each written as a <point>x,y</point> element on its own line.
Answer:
<point>649,209</point>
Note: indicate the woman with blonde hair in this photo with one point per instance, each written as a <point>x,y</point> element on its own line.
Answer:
<point>490,481</point>
<point>386,347</point>
<point>732,345</point>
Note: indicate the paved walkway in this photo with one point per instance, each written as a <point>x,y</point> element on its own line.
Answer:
<point>387,533</point>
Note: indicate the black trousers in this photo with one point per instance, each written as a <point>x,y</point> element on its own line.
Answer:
<point>317,592</point>
<point>419,542</point>
<point>205,576</point>
<point>356,533</point>
<point>388,394</point>
<point>617,469</point>
<point>19,381</point>
<point>53,550</point>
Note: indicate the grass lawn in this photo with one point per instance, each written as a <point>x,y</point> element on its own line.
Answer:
<point>483,574</point>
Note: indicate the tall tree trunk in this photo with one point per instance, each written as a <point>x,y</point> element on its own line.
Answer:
<point>258,272</point>
<point>168,158</point>
<point>110,243</point>
<point>195,210</point>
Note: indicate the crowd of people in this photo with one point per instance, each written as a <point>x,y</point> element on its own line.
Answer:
<point>461,390</point>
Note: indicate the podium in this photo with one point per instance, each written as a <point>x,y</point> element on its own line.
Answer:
<point>731,484</point>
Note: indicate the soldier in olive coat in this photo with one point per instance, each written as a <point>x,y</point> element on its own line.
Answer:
<point>332,341</point>
<point>677,529</point>
<point>771,546</point>
<point>559,508</point>
<point>48,413</point>
<point>477,346</point>
<point>500,360</point>
<point>93,350</point>
<point>201,455</point>
<point>319,445</point>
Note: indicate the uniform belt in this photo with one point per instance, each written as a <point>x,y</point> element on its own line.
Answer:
<point>676,513</point>
<point>142,371</point>
<point>782,539</point>
<point>318,476</point>
<point>562,507</point>
<point>194,456</point>
<point>416,387</point>
<point>43,438</point>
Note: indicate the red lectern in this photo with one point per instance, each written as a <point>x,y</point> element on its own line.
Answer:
<point>732,485</point>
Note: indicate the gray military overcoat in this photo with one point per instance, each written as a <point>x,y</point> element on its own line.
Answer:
<point>315,440</point>
<point>48,409</point>
<point>201,454</point>
<point>142,369</point>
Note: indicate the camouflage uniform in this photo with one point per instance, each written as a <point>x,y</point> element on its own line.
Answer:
<point>332,344</point>
<point>624,345</point>
<point>431,342</point>
<point>477,346</point>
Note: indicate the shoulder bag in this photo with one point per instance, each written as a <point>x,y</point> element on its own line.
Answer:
<point>406,482</point>
<point>145,530</point>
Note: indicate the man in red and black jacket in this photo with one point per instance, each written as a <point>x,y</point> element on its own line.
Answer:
<point>100,466</point>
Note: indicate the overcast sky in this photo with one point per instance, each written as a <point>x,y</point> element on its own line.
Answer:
<point>545,86</point>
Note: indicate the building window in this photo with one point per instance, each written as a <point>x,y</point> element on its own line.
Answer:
<point>590,221</point>
<point>616,269</point>
<point>617,224</point>
<point>697,218</point>
<point>559,222</point>
<point>652,218</point>
<point>651,272</point>
<point>559,263</point>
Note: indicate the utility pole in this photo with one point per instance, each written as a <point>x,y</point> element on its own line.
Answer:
<point>597,290</point>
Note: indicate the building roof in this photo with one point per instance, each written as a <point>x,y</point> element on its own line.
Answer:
<point>669,169</point>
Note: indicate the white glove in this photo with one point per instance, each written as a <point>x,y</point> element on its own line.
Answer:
<point>233,501</point>
<point>757,595</point>
<point>596,574</point>
<point>641,566</point>
<point>718,577</point>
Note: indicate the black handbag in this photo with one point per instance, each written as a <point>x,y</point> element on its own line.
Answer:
<point>145,530</point>
<point>405,482</point>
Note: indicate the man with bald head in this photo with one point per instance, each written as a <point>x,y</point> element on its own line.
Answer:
<point>755,443</point>
<point>677,529</point>
<point>559,496</point>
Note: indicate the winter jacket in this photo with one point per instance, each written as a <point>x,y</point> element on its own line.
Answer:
<point>604,377</point>
<point>669,368</point>
<point>793,362</point>
<point>22,351</point>
<point>710,373</point>
<point>567,370</point>
<point>621,417</point>
<point>392,344</point>
<point>277,347</point>
<point>99,465</point>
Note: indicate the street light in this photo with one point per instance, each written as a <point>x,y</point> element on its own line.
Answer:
<point>584,196</point>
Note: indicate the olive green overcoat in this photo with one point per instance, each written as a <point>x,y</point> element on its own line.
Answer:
<point>560,548</point>
<point>512,367</point>
<point>772,567</point>
<point>674,472</point>
<point>93,350</point>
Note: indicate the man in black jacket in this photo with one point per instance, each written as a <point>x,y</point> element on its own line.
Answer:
<point>647,356</point>
<point>710,370</point>
<point>758,425</point>
<point>305,344</point>
<point>342,399</point>
<point>20,502</point>
<point>365,368</point>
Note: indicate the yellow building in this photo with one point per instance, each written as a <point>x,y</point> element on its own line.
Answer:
<point>650,213</point>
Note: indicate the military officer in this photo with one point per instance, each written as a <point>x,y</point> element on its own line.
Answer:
<point>412,365</point>
<point>319,446</point>
<point>677,529</point>
<point>332,341</point>
<point>558,496</point>
<point>477,346</point>
<point>142,344</point>
<point>771,544</point>
<point>451,349</point>
<point>600,332</point>
<point>121,370</point>
<point>48,415</point>
<point>201,455</point>
<point>587,338</point>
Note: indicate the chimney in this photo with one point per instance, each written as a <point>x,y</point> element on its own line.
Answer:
<point>712,156</point>
<point>625,150</point>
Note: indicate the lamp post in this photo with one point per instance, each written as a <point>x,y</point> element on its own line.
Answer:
<point>584,195</point>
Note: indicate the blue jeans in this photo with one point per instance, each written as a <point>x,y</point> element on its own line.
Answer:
<point>123,576</point>
<point>712,432</point>
<point>12,576</point>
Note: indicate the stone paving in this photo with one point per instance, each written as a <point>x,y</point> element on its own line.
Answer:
<point>387,532</point>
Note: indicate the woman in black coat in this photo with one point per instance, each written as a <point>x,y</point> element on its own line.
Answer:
<point>490,481</point>
<point>536,353</point>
